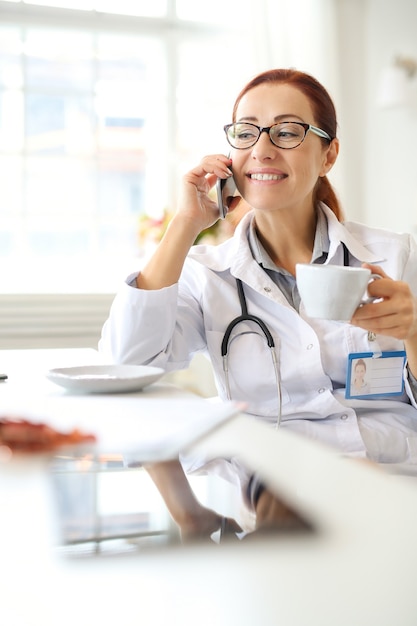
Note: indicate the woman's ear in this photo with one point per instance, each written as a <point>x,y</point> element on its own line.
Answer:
<point>330,156</point>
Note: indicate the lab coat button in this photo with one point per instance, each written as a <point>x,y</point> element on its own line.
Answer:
<point>267,289</point>
<point>344,416</point>
<point>310,346</point>
<point>322,390</point>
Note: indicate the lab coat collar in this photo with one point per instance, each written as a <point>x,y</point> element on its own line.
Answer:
<point>339,233</point>
<point>235,254</point>
<point>225,255</point>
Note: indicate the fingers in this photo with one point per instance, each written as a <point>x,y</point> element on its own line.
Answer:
<point>394,315</point>
<point>210,168</point>
<point>206,522</point>
<point>375,269</point>
<point>217,164</point>
<point>195,201</point>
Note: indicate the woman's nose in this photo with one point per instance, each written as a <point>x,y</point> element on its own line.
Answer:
<point>264,148</point>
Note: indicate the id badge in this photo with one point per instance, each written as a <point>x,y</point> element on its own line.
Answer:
<point>375,374</point>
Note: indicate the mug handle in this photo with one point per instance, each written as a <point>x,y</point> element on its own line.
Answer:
<point>369,299</point>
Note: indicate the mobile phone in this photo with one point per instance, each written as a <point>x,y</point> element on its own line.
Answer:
<point>226,189</point>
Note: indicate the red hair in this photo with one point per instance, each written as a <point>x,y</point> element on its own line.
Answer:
<point>324,114</point>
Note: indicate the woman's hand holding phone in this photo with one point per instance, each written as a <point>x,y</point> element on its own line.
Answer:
<point>196,202</point>
<point>196,212</point>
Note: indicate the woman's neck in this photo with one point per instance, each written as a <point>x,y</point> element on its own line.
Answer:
<point>288,239</point>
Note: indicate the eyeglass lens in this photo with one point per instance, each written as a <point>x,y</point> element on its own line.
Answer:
<point>283,135</point>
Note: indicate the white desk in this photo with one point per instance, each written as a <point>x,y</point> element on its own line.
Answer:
<point>151,424</point>
<point>357,570</point>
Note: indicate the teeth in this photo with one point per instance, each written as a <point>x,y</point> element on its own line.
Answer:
<point>266,176</point>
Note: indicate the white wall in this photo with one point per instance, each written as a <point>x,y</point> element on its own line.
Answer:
<point>351,104</point>
<point>347,44</point>
<point>379,145</point>
<point>391,166</point>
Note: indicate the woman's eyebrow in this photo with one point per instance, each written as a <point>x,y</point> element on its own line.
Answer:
<point>277,118</point>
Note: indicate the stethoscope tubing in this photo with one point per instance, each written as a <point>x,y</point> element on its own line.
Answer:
<point>247,317</point>
<point>244,317</point>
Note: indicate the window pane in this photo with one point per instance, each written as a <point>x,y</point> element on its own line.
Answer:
<point>131,107</point>
<point>59,186</point>
<point>11,231</point>
<point>11,121</point>
<point>59,124</point>
<point>58,238</point>
<point>146,8</point>
<point>117,235</point>
<point>11,68</point>
<point>11,185</point>
<point>229,14</point>
<point>121,186</point>
<point>97,127</point>
<point>121,104</point>
<point>59,59</point>
<point>215,96</point>
<point>85,5</point>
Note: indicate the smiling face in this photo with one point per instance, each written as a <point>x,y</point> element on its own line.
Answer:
<point>272,178</point>
<point>360,371</point>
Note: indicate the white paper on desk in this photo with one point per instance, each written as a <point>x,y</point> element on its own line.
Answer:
<point>139,428</point>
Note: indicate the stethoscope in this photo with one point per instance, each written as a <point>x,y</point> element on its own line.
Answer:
<point>247,317</point>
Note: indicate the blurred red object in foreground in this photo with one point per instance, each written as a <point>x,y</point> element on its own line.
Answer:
<point>23,436</point>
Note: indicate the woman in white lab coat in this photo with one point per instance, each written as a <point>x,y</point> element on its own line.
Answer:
<point>282,145</point>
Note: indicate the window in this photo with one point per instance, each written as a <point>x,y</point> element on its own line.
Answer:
<point>104,104</point>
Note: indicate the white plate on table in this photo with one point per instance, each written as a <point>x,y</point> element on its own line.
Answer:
<point>105,378</point>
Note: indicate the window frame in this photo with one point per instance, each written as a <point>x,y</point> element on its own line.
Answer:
<point>171,30</point>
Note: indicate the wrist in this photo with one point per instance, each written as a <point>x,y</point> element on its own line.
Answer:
<point>184,227</point>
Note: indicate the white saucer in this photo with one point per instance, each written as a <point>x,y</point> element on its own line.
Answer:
<point>105,378</point>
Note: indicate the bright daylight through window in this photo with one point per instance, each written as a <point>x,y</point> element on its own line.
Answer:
<point>104,104</point>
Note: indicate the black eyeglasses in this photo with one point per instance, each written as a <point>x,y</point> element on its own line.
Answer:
<point>285,135</point>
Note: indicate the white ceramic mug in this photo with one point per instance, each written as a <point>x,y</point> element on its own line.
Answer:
<point>332,292</point>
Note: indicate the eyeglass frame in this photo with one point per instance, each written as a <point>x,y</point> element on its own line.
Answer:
<point>267,129</point>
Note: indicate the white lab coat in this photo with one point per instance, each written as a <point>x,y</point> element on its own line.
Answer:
<point>167,327</point>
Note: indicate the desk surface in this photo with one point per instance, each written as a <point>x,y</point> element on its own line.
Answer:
<point>152,424</point>
<point>358,569</point>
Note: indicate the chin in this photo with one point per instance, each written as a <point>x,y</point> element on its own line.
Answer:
<point>266,207</point>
